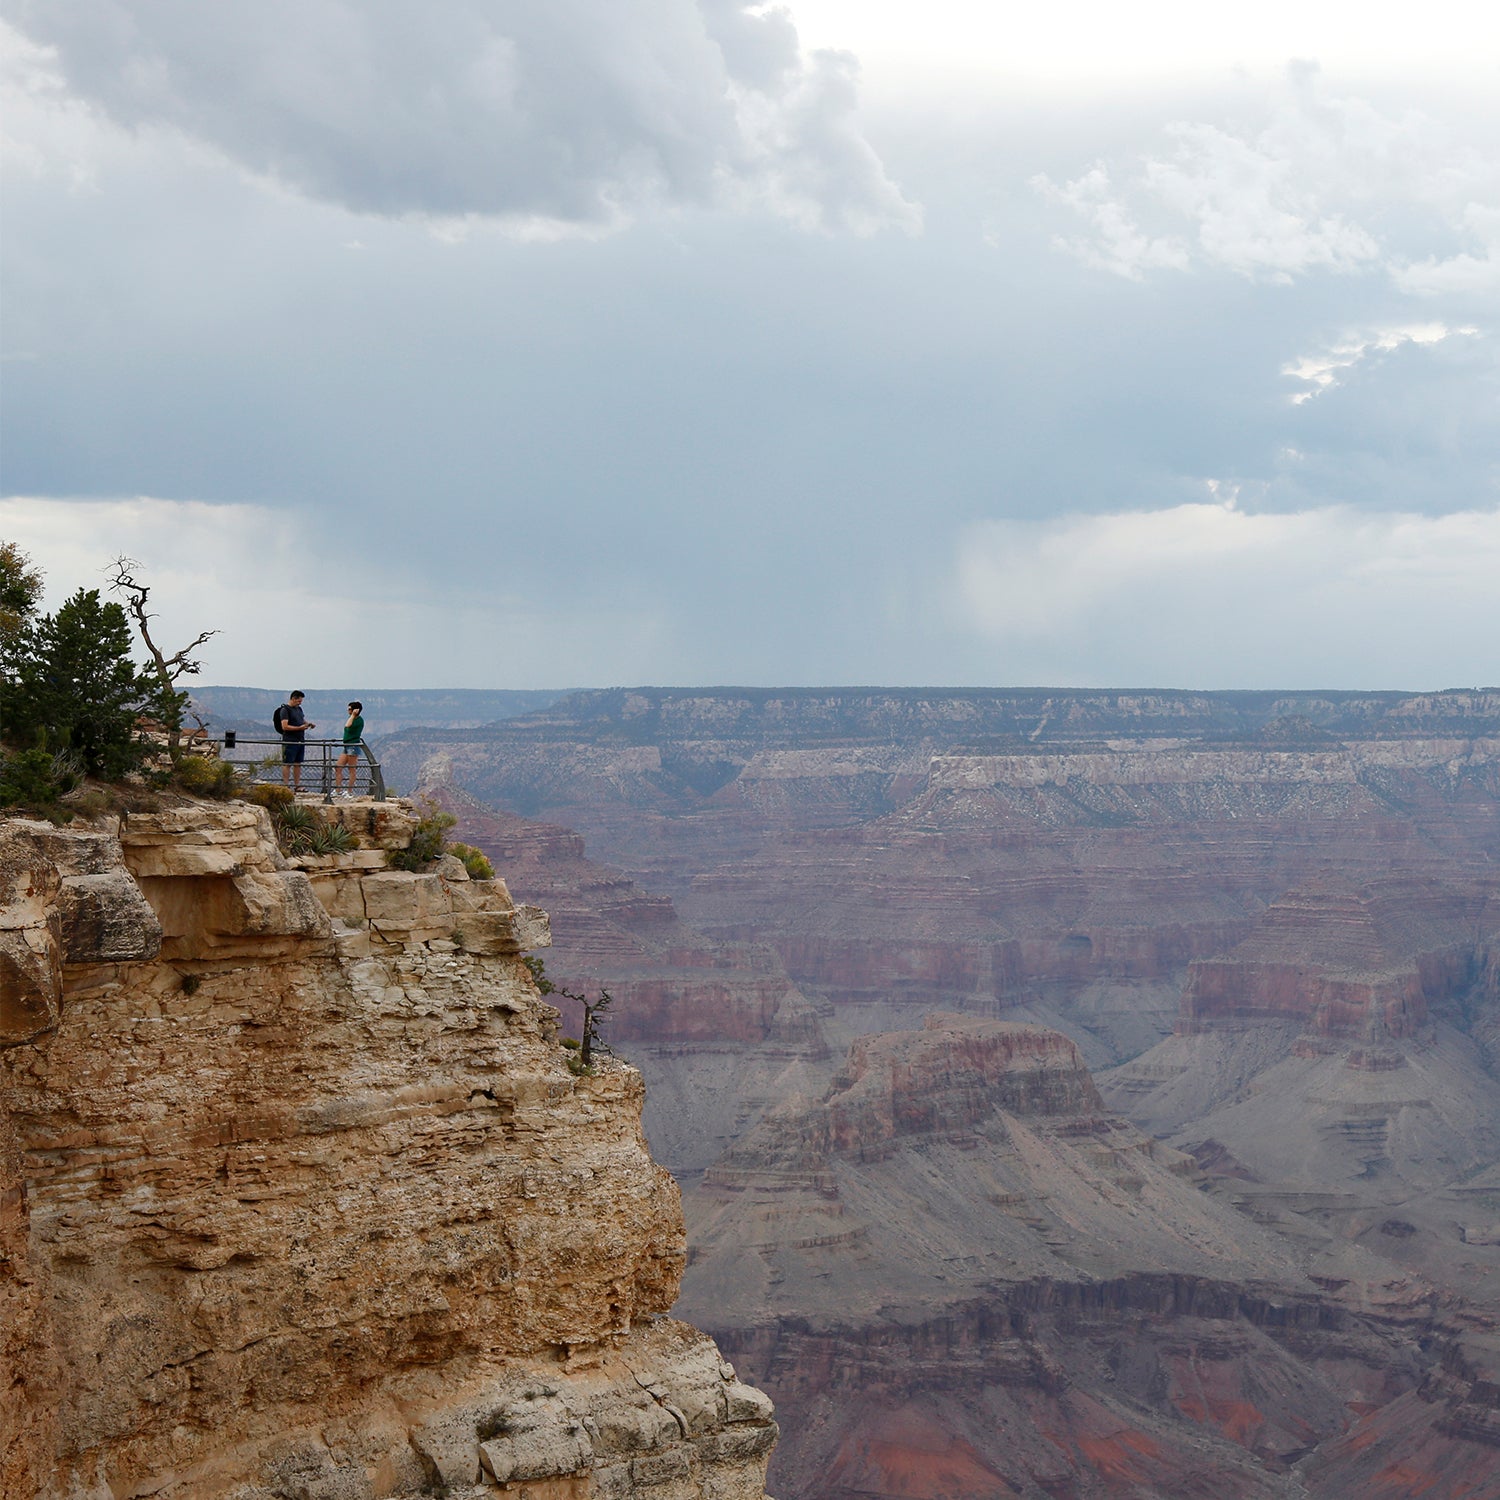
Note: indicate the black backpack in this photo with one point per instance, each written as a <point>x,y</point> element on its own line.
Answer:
<point>276,718</point>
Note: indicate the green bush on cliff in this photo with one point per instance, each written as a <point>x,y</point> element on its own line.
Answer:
<point>38,778</point>
<point>295,827</point>
<point>206,776</point>
<point>269,795</point>
<point>427,841</point>
<point>475,861</point>
<point>332,838</point>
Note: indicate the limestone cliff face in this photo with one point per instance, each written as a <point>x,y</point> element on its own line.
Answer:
<point>300,1199</point>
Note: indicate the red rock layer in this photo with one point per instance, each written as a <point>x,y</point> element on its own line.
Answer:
<point>949,1077</point>
<point>1357,962</point>
<point>1139,1388</point>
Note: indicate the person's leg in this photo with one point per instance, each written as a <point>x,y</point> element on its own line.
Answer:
<point>297,752</point>
<point>286,763</point>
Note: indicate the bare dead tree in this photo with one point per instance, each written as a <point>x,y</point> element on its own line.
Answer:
<point>169,669</point>
<point>594,1012</point>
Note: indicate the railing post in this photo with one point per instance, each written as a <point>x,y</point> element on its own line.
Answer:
<point>377,777</point>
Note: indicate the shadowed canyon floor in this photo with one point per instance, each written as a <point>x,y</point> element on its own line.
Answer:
<point>1260,1258</point>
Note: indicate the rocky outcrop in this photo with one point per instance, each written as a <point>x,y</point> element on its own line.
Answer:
<point>301,1198</point>
<point>950,1078</point>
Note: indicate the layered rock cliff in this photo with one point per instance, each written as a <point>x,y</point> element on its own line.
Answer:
<point>958,1273</point>
<point>1276,911</point>
<point>300,1198</point>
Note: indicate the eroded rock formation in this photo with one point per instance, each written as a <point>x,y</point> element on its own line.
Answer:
<point>300,1200</point>
<point>1275,913</point>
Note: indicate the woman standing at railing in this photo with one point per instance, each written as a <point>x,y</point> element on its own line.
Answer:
<point>354,732</point>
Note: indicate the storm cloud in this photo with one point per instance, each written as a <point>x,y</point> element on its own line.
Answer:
<point>575,113</point>
<point>641,368</point>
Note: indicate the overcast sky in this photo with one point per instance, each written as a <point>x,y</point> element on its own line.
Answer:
<point>579,343</point>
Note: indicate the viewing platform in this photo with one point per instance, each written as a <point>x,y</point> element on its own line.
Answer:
<point>315,774</point>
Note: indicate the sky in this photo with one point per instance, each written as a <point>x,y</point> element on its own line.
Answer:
<point>490,344</point>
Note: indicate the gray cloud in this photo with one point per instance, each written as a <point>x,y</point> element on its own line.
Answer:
<point>714,447</point>
<point>575,113</point>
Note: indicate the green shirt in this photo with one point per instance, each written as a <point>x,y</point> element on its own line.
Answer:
<point>354,731</point>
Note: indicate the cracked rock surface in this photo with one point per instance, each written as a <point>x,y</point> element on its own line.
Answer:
<point>298,1202</point>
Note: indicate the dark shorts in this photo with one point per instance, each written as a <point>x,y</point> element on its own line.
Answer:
<point>292,752</point>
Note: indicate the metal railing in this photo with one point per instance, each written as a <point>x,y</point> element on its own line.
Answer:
<point>316,774</point>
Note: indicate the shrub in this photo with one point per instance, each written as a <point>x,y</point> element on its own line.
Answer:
<point>296,827</point>
<point>476,862</point>
<point>269,796</point>
<point>90,802</point>
<point>493,1426</point>
<point>427,841</point>
<point>580,1050</point>
<point>27,779</point>
<point>206,776</point>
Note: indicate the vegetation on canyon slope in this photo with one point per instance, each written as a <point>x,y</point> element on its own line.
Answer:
<point>68,679</point>
<point>74,705</point>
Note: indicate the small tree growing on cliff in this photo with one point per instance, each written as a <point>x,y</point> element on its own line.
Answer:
<point>166,700</point>
<point>595,1013</point>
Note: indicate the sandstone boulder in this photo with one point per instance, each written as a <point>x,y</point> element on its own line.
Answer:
<point>407,907</point>
<point>540,1438</point>
<point>199,840</point>
<point>106,919</point>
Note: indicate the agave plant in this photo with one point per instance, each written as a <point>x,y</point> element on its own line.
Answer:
<point>331,838</point>
<point>297,826</point>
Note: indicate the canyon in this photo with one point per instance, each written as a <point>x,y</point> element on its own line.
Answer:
<point>302,1199</point>
<point>1073,1094</point>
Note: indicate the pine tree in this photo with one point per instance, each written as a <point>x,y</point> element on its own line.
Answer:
<point>77,687</point>
<point>20,588</point>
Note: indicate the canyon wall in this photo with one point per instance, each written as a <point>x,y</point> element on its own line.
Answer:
<point>1268,922</point>
<point>300,1198</point>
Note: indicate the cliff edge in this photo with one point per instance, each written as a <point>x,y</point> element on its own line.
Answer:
<point>300,1199</point>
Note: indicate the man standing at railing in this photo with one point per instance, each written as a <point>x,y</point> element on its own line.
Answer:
<point>291,724</point>
<point>354,732</point>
